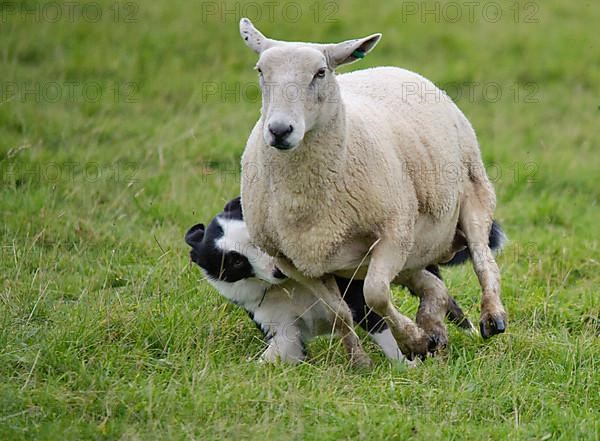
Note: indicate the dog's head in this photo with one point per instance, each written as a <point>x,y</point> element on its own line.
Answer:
<point>225,253</point>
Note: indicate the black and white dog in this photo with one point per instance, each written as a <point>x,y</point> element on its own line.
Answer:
<point>288,314</point>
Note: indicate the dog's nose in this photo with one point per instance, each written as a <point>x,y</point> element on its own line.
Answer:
<point>280,130</point>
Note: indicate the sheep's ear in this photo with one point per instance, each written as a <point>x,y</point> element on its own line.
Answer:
<point>253,37</point>
<point>349,51</point>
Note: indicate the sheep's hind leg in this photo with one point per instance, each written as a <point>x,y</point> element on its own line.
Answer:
<point>432,308</point>
<point>387,260</point>
<point>455,313</point>
<point>476,221</point>
<point>328,292</point>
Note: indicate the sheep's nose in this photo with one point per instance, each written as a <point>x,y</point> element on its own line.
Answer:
<point>280,130</point>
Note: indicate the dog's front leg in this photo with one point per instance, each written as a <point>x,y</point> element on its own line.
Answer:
<point>285,345</point>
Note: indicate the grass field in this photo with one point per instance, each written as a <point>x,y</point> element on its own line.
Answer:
<point>119,131</point>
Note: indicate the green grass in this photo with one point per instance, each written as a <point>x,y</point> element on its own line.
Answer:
<point>107,332</point>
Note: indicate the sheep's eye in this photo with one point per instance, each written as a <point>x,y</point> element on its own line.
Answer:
<point>259,70</point>
<point>320,73</point>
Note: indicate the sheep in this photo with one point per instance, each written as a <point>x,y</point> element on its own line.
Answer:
<point>288,315</point>
<point>343,174</point>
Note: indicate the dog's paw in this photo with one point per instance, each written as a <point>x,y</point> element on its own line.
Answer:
<point>269,356</point>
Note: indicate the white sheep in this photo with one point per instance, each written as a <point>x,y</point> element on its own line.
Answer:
<point>374,170</point>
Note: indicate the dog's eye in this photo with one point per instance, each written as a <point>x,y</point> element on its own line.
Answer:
<point>237,261</point>
<point>258,69</point>
<point>320,73</point>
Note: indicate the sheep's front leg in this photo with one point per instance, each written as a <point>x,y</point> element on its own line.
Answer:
<point>328,292</point>
<point>387,260</point>
<point>343,322</point>
<point>433,306</point>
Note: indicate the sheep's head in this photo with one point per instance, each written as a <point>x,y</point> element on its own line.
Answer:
<point>299,90</point>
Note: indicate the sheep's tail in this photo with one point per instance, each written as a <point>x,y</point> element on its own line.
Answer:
<point>497,241</point>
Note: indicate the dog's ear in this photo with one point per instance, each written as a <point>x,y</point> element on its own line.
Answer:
<point>233,205</point>
<point>194,235</point>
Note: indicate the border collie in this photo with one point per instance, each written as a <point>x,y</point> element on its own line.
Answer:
<point>288,314</point>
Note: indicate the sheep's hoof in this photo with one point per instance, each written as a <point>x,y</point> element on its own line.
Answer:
<point>431,344</point>
<point>437,342</point>
<point>436,335</point>
<point>492,324</point>
<point>418,348</point>
<point>360,359</point>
